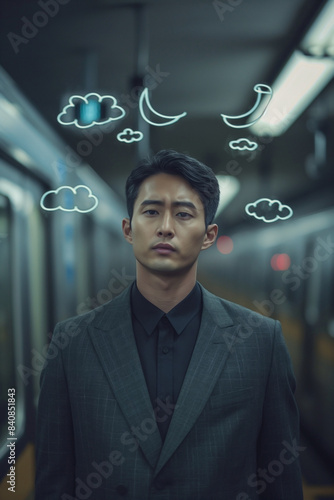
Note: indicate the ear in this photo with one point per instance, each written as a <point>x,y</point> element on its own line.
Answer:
<point>126,228</point>
<point>210,236</point>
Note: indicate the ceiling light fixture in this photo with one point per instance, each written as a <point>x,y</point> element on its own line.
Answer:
<point>305,75</point>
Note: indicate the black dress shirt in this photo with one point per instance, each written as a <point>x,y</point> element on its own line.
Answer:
<point>165,343</point>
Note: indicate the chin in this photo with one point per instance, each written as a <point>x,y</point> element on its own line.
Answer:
<point>167,269</point>
<point>164,268</point>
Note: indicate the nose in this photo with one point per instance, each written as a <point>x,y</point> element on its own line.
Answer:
<point>166,225</point>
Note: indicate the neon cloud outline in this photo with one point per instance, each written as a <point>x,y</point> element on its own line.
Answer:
<point>86,100</point>
<point>131,132</point>
<point>259,89</point>
<point>172,119</point>
<point>271,202</point>
<point>251,146</point>
<point>74,190</point>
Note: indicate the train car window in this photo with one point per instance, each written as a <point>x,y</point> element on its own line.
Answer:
<point>105,250</point>
<point>64,245</point>
<point>322,340</point>
<point>326,293</point>
<point>313,285</point>
<point>330,297</point>
<point>294,284</point>
<point>38,287</point>
<point>84,264</point>
<point>7,361</point>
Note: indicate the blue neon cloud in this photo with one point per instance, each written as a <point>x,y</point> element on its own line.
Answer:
<point>113,111</point>
<point>242,144</point>
<point>128,135</point>
<point>268,210</point>
<point>65,198</point>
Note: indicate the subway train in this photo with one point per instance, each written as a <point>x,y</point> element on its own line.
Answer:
<point>50,263</point>
<point>56,264</point>
<point>286,272</point>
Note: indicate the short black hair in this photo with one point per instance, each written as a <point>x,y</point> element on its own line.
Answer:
<point>199,176</point>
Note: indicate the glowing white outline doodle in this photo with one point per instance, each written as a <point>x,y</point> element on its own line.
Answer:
<point>75,209</point>
<point>250,147</point>
<point>131,132</point>
<point>86,100</point>
<point>172,119</point>
<point>259,89</point>
<point>271,202</point>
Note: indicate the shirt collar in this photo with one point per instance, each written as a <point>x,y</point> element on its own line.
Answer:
<point>149,315</point>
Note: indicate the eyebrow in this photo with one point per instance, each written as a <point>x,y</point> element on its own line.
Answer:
<point>184,203</point>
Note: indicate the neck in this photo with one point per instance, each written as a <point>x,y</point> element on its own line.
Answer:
<point>165,291</point>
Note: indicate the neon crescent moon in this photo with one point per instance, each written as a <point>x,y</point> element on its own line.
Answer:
<point>171,119</point>
<point>259,88</point>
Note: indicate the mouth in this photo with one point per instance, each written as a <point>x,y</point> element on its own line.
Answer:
<point>163,248</point>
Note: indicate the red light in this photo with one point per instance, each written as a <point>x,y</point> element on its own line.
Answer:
<point>224,244</point>
<point>280,262</point>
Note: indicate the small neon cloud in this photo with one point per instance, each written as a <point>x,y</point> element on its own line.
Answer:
<point>128,135</point>
<point>242,144</point>
<point>169,119</point>
<point>92,105</point>
<point>268,210</point>
<point>260,89</point>
<point>67,202</point>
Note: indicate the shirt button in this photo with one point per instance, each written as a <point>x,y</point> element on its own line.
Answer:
<point>121,489</point>
<point>165,350</point>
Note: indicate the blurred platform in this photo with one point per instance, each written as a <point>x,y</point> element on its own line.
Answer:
<point>318,473</point>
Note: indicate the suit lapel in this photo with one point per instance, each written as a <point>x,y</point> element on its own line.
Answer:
<point>113,339</point>
<point>115,345</point>
<point>208,359</point>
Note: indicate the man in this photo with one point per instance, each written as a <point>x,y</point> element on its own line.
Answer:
<point>167,391</point>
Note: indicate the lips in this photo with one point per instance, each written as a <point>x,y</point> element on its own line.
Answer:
<point>163,248</point>
<point>164,245</point>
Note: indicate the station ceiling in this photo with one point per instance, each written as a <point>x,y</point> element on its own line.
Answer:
<point>200,57</point>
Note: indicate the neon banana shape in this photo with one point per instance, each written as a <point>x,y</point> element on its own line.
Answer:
<point>260,89</point>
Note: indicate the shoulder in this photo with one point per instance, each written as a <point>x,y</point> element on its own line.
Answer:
<point>237,313</point>
<point>242,314</point>
<point>99,315</point>
<point>245,331</point>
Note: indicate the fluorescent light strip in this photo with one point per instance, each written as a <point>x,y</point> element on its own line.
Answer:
<point>302,79</point>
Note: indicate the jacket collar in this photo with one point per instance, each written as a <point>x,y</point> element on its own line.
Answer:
<point>113,338</point>
<point>149,315</point>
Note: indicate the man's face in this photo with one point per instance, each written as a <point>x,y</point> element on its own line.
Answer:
<point>168,212</point>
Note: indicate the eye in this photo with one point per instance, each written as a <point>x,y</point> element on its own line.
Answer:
<point>149,212</point>
<point>184,215</point>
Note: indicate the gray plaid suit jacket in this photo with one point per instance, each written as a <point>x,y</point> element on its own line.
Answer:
<point>234,430</point>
